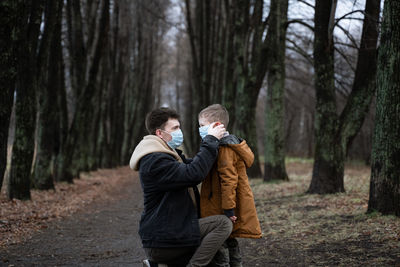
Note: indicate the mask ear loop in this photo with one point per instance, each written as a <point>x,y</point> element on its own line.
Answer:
<point>165,132</point>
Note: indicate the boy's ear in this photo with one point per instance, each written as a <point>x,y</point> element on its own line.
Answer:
<point>216,123</point>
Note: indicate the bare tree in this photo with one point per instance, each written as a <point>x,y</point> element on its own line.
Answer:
<point>28,27</point>
<point>332,129</point>
<point>8,62</point>
<point>48,76</point>
<point>274,112</point>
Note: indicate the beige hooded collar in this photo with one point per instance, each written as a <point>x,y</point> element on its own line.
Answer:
<point>150,144</point>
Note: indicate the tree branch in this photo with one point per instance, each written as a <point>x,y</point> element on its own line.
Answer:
<point>345,58</point>
<point>300,51</point>
<point>351,38</point>
<point>345,16</point>
<point>346,45</point>
<point>306,3</point>
<point>299,22</point>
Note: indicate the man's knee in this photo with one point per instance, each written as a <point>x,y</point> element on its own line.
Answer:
<point>226,225</point>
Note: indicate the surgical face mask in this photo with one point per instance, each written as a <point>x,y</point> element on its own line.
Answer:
<point>177,139</point>
<point>203,131</point>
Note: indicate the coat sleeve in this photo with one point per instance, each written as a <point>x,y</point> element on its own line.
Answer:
<point>228,177</point>
<point>162,172</point>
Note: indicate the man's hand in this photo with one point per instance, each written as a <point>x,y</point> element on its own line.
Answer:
<point>233,219</point>
<point>216,131</point>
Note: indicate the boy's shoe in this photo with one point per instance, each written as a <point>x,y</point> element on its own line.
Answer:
<point>235,256</point>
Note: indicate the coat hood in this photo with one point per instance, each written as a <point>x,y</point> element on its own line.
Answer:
<point>240,147</point>
<point>150,144</point>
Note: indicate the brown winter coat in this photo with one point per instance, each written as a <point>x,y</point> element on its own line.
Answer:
<point>227,187</point>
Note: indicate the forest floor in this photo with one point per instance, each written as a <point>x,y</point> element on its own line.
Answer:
<point>94,222</point>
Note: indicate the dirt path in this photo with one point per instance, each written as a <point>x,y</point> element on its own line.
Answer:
<point>102,235</point>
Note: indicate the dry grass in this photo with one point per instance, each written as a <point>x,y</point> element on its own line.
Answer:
<point>20,219</point>
<point>321,230</point>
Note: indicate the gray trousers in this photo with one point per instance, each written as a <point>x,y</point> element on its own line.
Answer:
<point>214,230</point>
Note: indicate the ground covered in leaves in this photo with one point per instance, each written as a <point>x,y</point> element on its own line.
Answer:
<point>321,230</point>
<point>19,220</point>
<point>94,222</point>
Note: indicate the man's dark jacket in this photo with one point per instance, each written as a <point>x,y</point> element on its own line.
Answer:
<point>170,218</point>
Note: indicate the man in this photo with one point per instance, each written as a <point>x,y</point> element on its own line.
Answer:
<point>170,228</point>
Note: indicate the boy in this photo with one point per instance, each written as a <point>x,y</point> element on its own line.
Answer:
<point>226,188</point>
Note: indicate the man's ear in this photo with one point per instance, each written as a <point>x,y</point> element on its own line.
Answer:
<point>158,133</point>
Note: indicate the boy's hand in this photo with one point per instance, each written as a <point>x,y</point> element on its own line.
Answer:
<point>233,219</point>
<point>216,131</point>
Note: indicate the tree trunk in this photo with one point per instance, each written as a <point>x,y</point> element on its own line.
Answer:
<point>77,48</point>
<point>248,72</point>
<point>364,85</point>
<point>328,167</point>
<point>331,130</point>
<point>274,111</point>
<point>385,172</point>
<point>245,123</point>
<point>23,148</point>
<point>82,136</point>
<point>62,114</point>
<point>8,63</point>
<point>48,76</point>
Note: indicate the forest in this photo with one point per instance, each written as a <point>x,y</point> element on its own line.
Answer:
<point>313,86</point>
<point>300,78</point>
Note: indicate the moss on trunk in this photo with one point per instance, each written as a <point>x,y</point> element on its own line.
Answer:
<point>385,171</point>
<point>274,110</point>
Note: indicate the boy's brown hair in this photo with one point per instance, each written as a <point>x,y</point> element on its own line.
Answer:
<point>157,118</point>
<point>215,112</point>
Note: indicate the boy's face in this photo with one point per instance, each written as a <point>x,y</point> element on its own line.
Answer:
<point>204,121</point>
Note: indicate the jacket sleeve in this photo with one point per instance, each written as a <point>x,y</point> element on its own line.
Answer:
<point>228,177</point>
<point>162,172</point>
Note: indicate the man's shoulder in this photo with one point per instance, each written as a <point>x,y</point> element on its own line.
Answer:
<point>157,155</point>
<point>155,158</point>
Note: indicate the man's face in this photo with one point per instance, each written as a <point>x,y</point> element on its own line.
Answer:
<point>170,126</point>
<point>203,121</point>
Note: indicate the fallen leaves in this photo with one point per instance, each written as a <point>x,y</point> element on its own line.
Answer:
<point>324,230</point>
<point>20,219</point>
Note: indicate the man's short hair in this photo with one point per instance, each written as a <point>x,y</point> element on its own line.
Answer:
<point>157,118</point>
<point>215,112</point>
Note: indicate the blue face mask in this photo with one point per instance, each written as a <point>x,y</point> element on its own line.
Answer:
<point>203,131</point>
<point>177,139</point>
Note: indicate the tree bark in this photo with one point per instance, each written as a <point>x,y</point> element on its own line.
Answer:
<point>385,172</point>
<point>8,65</point>
<point>330,129</point>
<point>328,167</point>
<point>77,48</point>
<point>82,136</point>
<point>62,114</point>
<point>364,84</point>
<point>23,148</point>
<point>48,76</point>
<point>250,72</point>
<point>274,167</point>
